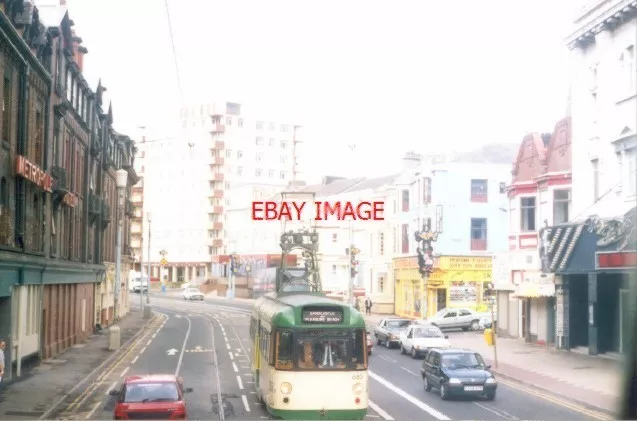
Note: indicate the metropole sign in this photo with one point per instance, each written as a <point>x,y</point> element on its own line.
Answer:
<point>28,170</point>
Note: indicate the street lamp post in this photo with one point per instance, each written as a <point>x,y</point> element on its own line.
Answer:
<point>149,218</point>
<point>121,179</point>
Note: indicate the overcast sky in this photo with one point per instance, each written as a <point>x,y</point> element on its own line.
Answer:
<point>388,76</point>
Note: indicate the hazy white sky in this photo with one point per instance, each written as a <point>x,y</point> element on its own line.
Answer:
<point>387,76</point>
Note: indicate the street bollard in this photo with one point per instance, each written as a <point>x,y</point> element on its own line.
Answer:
<point>114,338</point>
<point>488,336</point>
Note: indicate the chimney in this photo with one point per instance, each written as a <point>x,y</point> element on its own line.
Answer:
<point>411,161</point>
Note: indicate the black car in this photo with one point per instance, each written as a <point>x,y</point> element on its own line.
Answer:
<point>458,372</point>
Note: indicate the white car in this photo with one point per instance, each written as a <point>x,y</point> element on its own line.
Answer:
<point>456,318</point>
<point>192,294</point>
<point>418,338</point>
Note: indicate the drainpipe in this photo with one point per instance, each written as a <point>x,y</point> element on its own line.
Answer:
<point>18,339</point>
<point>41,312</point>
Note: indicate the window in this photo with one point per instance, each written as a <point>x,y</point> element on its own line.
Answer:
<point>4,193</point>
<point>527,214</point>
<point>239,154</point>
<point>284,351</point>
<point>479,191</point>
<point>284,144</point>
<point>451,313</point>
<point>271,141</point>
<point>627,60</point>
<point>478,234</point>
<point>330,350</point>
<point>426,190</point>
<point>405,200</point>
<point>334,237</point>
<point>359,347</point>
<point>595,167</point>
<point>272,126</point>
<point>270,173</point>
<point>229,121</point>
<point>259,156</point>
<point>240,122</point>
<point>561,206</point>
<point>239,170</point>
<point>228,153</point>
<point>284,159</point>
<point>153,392</point>
<point>283,175</point>
<point>258,172</point>
<point>259,125</point>
<point>6,104</point>
<point>259,141</point>
<point>405,239</point>
<point>381,244</point>
<point>69,85</point>
<point>631,170</point>
<point>284,128</point>
<point>333,269</point>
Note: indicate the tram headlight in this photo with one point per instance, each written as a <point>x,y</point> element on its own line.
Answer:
<point>286,388</point>
<point>358,388</point>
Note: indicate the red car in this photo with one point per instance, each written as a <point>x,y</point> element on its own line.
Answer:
<point>151,397</point>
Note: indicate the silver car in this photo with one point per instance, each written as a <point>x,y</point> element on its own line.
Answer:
<point>456,318</point>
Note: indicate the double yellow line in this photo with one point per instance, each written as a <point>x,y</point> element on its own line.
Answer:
<point>560,402</point>
<point>88,392</point>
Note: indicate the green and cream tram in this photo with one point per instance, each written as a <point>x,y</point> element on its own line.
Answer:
<point>309,357</point>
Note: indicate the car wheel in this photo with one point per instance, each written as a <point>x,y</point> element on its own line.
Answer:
<point>378,341</point>
<point>387,343</point>
<point>403,350</point>
<point>475,325</point>
<point>426,384</point>
<point>490,396</point>
<point>414,354</point>
<point>444,394</point>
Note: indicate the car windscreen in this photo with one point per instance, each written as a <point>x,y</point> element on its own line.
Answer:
<point>428,332</point>
<point>151,392</point>
<point>193,290</point>
<point>462,360</point>
<point>398,324</point>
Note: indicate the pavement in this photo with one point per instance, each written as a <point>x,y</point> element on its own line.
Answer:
<point>207,344</point>
<point>560,375</point>
<point>46,386</point>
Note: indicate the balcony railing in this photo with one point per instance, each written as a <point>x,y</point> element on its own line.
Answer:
<point>217,194</point>
<point>218,128</point>
<point>219,160</point>
<point>478,245</point>
<point>217,243</point>
<point>218,145</point>
<point>218,176</point>
<point>217,226</point>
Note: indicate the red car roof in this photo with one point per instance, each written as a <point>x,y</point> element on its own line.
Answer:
<point>151,378</point>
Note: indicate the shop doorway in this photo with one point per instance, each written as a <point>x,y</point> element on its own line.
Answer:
<point>624,320</point>
<point>524,318</point>
<point>441,299</point>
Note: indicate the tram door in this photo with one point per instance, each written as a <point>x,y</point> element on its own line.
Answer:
<point>257,352</point>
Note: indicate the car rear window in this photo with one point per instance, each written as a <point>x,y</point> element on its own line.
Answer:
<point>151,392</point>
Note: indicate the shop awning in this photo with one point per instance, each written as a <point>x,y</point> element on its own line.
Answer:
<point>530,290</point>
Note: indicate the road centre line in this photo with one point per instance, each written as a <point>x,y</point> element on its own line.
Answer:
<point>125,371</point>
<point>149,342</point>
<point>234,367</point>
<point>135,359</point>
<point>231,356</point>
<point>379,411</point>
<point>494,411</point>
<point>240,382</point>
<point>142,351</point>
<point>183,347</point>
<point>411,399</point>
<point>108,391</point>
<point>409,371</point>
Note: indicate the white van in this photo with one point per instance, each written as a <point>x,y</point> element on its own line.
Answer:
<point>135,282</point>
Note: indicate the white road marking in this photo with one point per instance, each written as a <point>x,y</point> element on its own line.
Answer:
<point>111,388</point>
<point>428,409</point>
<point>380,411</point>
<point>239,350</point>
<point>228,345</point>
<point>124,372</point>
<point>382,357</point>
<point>154,334</point>
<point>240,382</point>
<point>135,359</point>
<point>254,393</point>
<point>234,366</point>
<point>142,351</point>
<point>183,347</point>
<point>409,371</point>
<point>92,411</point>
<point>496,412</point>
<point>149,342</point>
<point>231,356</point>
<point>248,374</point>
<point>244,398</point>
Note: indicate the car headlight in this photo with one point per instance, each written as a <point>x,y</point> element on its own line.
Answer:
<point>454,381</point>
<point>358,388</point>
<point>286,388</point>
<point>490,380</point>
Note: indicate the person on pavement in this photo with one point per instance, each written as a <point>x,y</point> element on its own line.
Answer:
<point>368,305</point>
<point>3,345</point>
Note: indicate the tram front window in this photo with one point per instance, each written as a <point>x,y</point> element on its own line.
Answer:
<point>325,353</point>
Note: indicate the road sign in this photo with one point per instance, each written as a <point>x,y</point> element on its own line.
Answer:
<point>164,262</point>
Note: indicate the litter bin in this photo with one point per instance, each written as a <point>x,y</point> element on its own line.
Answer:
<point>489,336</point>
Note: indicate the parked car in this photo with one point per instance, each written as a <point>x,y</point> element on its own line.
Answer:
<point>456,318</point>
<point>193,294</point>
<point>370,343</point>
<point>154,396</point>
<point>458,372</point>
<point>420,337</point>
<point>486,322</point>
<point>388,331</point>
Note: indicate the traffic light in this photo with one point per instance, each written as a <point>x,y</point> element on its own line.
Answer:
<point>422,266</point>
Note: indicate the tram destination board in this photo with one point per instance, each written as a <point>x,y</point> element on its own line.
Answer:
<point>323,316</point>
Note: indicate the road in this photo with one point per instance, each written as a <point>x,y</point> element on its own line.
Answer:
<point>197,333</point>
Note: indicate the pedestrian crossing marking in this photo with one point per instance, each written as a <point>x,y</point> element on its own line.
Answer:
<point>199,350</point>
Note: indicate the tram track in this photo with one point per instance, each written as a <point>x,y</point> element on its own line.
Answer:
<point>220,404</point>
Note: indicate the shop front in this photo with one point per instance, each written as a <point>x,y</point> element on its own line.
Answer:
<point>459,282</point>
<point>410,300</point>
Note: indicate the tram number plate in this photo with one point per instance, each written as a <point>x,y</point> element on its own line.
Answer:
<point>473,388</point>
<point>322,316</point>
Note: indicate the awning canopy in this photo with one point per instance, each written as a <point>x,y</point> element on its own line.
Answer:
<point>532,290</point>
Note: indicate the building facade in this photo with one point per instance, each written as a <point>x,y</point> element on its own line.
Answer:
<point>463,204</point>
<point>50,243</point>
<point>539,195</point>
<point>593,255</point>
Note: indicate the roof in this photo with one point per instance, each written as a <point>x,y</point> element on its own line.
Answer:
<point>146,378</point>
<point>336,186</point>
<point>296,299</point>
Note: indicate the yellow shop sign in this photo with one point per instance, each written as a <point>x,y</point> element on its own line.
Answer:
<point>457,263</point>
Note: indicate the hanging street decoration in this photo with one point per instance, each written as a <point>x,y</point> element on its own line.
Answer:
<point>425,250</point>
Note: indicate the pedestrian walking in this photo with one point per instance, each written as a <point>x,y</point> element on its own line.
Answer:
<point>3,345</point>
<point>368,305</point>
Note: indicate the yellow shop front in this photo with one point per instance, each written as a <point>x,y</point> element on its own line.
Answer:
<point>459,282</point>
<point>409,299</point>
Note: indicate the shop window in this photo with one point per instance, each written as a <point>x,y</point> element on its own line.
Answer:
<point>528,214</point>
